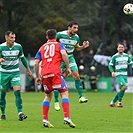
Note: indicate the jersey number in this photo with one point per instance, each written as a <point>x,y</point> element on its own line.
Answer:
<point>50,51</point>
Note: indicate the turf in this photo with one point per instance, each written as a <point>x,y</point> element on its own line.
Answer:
<point>93,117</point>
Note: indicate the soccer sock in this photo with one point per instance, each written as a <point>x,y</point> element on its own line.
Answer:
<point>18,100</point>
<point>116,97</point>
<point>45,109</point>
<point>79,87</point>
<point>3,102</point>
<point>120,96</point>
<point>66,107</point>
<point>56,94</point>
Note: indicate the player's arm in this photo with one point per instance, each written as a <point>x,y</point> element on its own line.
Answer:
<point>36,67</point>
<point>85,45</point>
<point>25,62</point>
<point>130,62</point>
<point>110,66</point>
<point>26,65</point>
<point>1,59</point>
<point>65,58</point>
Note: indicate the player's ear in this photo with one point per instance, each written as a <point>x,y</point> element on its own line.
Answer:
<point>47,37</point>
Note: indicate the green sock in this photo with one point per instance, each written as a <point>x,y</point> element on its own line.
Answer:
<point>120,96</point>
<point>56,94</point>
<point>3,102</point>
<point>79,87</point>
<point>116,97</point>
<point>18,100</point>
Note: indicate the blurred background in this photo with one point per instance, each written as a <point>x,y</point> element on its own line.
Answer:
<point>101,22</point>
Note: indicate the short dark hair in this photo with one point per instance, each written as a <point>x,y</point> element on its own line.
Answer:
<point>120,43</point>
<point>71,23</point>
<point>51,33</point>
<point>8,32</point>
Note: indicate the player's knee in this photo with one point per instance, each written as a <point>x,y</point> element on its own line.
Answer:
<point>124,88</point>
<point>76,77</point>
<point>64,94</point>
<point>48,97</point>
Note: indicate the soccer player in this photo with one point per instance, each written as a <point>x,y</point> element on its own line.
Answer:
<point>118,67</point>
<point>10,53</point>
<point>71,40</point>
<point>50,55</point>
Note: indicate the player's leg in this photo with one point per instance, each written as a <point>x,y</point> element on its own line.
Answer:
<point>115,99</point>
<point>65,104</point>
<point>18,102</point>
<point>56,93</point>
<point>122,82</point>
<point>83,84</point>
<point>56,101</point>
<point>78,84</point>
<point>112,103</point>
<point>3,105</point>
<point>16,84</point>
<point>123,87</point>
<point>45,110</point>
<point>120,96</point>
<point>47,86</point>
<point>66,109</point>
<point>4,86</point>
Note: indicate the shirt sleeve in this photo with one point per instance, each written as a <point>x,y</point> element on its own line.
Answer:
<point>38,55</point>
<point>111,64</point>
<point>21,53</point>
<point>62,46</point>
<point>129,61</point>
<point>58,36</point>
<point>24,62</point>
<point>22,57</point>
<point>78,41</point>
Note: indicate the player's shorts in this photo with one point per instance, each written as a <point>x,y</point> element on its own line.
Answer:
<point>121,80</point>
<point>72,63</point>
<point>8,80</point>
<point>54,82</point>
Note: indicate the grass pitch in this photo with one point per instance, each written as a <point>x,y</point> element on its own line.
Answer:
<point>93,117</point>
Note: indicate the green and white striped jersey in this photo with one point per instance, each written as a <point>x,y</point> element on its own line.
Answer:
<point>120,62</point>
<point>69,42</point>
<point>11,57</point>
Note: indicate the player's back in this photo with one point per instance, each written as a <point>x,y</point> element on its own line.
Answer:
<point>51,58</point>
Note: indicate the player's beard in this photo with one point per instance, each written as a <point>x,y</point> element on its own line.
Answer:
<point>72,33</point>
<point>121,52</point>
<point>10,44</point>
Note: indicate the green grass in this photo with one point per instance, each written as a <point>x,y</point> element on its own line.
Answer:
<point>93,117</point>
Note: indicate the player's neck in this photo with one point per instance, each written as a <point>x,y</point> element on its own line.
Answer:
<point>51,40</point>
<point>9,45</point>
<point>69,33</point>
<point>120,53</point>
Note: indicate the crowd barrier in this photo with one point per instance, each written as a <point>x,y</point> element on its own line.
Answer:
<point>104,84</point>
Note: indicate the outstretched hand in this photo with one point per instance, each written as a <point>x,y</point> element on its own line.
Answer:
<point>85,44</point>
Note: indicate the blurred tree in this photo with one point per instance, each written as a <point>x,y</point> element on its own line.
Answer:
<point>99,21</point>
